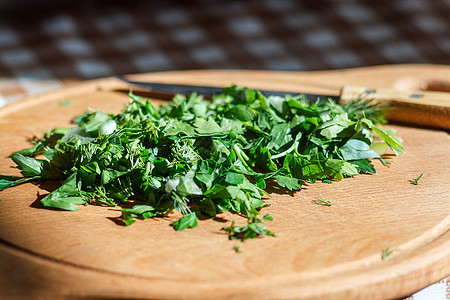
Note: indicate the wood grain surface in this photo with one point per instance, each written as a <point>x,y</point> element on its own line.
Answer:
<point>319,252</point>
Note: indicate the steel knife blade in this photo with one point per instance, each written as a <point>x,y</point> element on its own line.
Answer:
<point>209,91</point>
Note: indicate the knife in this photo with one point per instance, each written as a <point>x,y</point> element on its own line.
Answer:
<point>423,108</point>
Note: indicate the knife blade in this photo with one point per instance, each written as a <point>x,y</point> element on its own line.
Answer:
<point>209,91</point>
<point>423,108</point>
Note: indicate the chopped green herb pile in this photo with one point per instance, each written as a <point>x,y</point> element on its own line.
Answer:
<point>203,157</point>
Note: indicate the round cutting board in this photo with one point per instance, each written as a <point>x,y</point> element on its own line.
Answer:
<point>319,252</point>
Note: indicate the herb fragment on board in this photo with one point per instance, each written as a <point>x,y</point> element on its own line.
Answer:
<point>10,181</point>
<point>254,228</point>
<point>323,202</point>
<point>65,102</point>
<point>386,252</point>
<point>204,157</point>
<point>415,181</point>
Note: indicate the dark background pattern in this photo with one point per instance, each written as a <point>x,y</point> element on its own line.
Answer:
<point>88,39</point>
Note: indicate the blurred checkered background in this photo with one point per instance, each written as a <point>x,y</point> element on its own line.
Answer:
<point>98,38</point>
<point>46,44</point>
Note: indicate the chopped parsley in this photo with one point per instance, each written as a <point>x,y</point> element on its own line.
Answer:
<point>201,157</point>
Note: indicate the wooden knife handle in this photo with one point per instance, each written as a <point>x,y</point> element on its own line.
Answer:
<point>422,108</point>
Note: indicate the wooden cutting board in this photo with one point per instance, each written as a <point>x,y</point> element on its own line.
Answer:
<point>319,252</point>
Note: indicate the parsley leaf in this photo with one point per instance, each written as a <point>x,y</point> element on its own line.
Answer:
<point>32,167</point>
<point>288,182</point>
<point>10,181</point>
<point>66,196</point>
<point>187,221</point>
